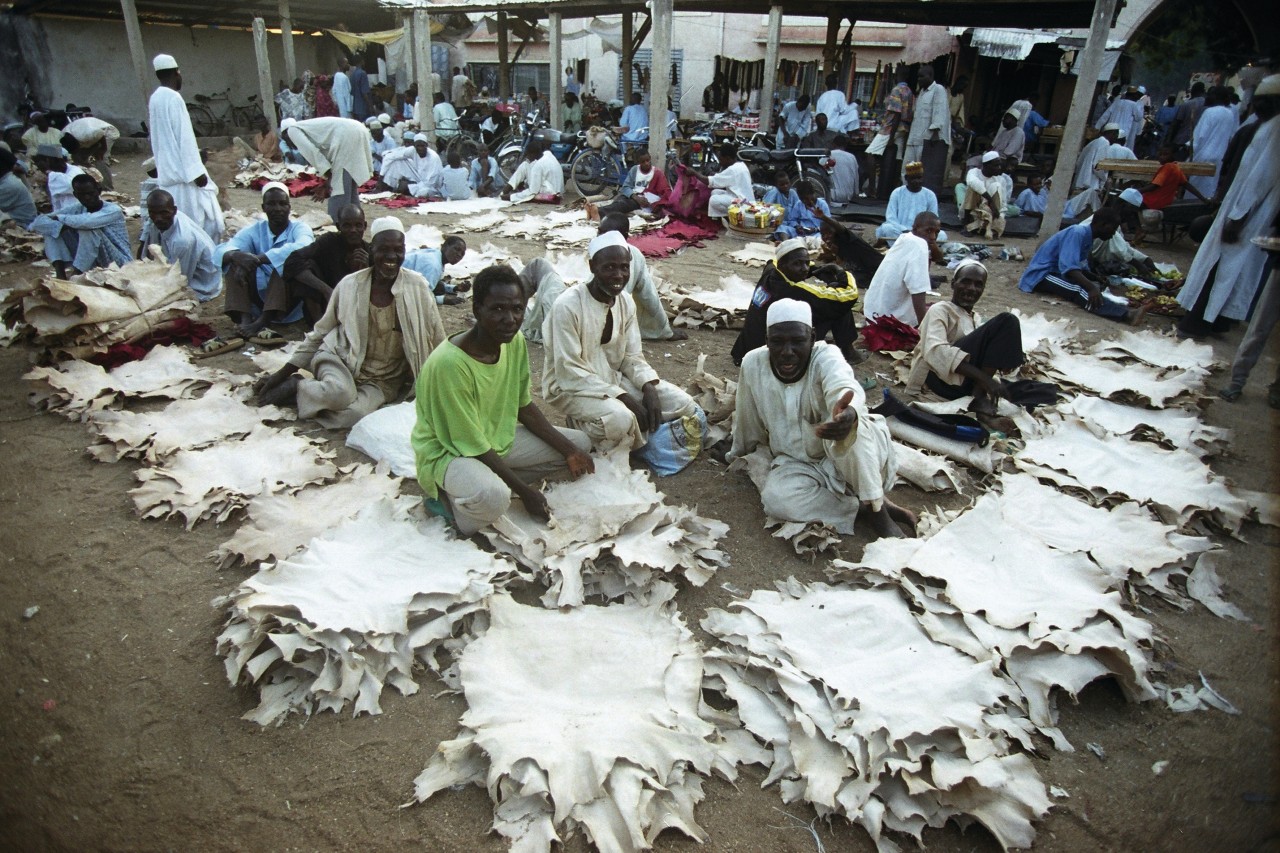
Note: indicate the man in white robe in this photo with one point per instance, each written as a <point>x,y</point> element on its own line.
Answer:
<point>594,369</point>
<point>985,198</point>
<point>342,94</point>
<point>930,137</point>
<point>833,105</point>
<point>1126,113</point>
<point>651,316</point>
<point>338,148</point>
<point>415,170</point>
<point>540,175</point>
<point>544,286</point>
<point>85,234</point>
<point>52,160</point>
<point>179,167</point>
<point>906,203</point>
<point>1211,137</point>
<point>183,242</point>
<point>1086,176</point>
<point>799,404</point>
<point>732,183</point>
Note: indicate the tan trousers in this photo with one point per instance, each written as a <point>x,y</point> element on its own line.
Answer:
<point>333,399</point>
<point>610,424</point>
<point>478,496</point>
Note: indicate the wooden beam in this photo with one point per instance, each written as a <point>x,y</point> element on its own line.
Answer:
<point>266,90</point>
<point>286,38</point>
<point>504,67</point>
<point>662,13</point>
<point>422,111</point>
<point>645,26</point>
<point>141,67</point>
<point>770,68</point>
<point>627,53</point>
<point>555,96</point>
<point>834,19</point>
<point>1089,65</point>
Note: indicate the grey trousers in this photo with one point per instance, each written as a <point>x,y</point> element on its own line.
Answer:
<point>350,194</point>
<point>1265,315</point>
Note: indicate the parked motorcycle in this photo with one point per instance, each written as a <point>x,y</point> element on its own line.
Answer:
<point>564,146</point>
<point>811,164</point>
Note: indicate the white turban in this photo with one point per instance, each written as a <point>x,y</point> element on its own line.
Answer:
<point>789,311</point>
<point>786,247</point>
<point>164,62</point>
<point>385,223</point>
<point>274,185</point>
<point>990,155</point>
<point>1132,196</point>
<point>604,241</point>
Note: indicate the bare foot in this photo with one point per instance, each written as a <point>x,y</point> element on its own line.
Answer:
<point>251,328</point>
<point>593,212</point>
<point>1139,313</point>
<point>678,335</point>
<point>283,394</point>
<point>903,516</point>
<point>882,523</point>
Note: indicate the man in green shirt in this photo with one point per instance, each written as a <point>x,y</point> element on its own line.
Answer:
<point>479,438</point>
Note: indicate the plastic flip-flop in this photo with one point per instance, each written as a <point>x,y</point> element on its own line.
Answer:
<point>217,346</point>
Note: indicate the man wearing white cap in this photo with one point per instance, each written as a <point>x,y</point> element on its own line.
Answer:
<point>367,349</point>
<point>1116,256</point>
<point>956,357</point>
<point>415,170</point>
<point>1010,141</point>
<point>984,197</point>
<point>650,315</point>
<point>1118,150</point>
<point>252,263</point>
<point>800,406</point>
<point>539,177</point>
<point>594,369</point>
<point>40,132</point>
<point>1212,135</point>
<point>179,167</point>
<point>52,160</point>
<point>1086,178</point>
<point>338,148</point>
<point>85,234</point>
<point>479,439</point>
<point>379,143</point>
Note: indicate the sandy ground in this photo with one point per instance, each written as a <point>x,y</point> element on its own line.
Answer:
<point>119,731</point>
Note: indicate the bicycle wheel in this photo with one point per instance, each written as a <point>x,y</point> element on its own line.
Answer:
<point>508,163</point>
<point>247,116</point>
<point>592,172</point>
<point>203,121</point>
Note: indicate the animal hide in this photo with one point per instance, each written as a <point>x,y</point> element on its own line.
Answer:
<point>216,481</point>
<point>474,261</point>
<point>807,538</point>
<point>270,360</point>
<point>80,387</point>
<point>895,731</point>
<point>266,171</point>
<point>481,222</point>
<point>278,525</point>
<point>384,436</point>
<point>572,267</point>
<point>588,719</point>
<point>1137,382</point>
<point>754,254</point>
<point>420,236</point>
<point>611,534</point>
<point>1041,336</point>
<point>1157,350</point>
<point>182,425</point>
<point>18,244</point>
<point>717,397</point>
<point>712,308</point>
<point>461,207</point>
<point>1171,428</point>
<point>925,471</point>
<point>571,235</point>
<point>314,633</point>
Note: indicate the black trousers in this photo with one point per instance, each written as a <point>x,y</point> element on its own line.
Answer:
<point>996,345</point>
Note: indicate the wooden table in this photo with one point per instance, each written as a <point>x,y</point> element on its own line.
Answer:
<point>1126,169</point>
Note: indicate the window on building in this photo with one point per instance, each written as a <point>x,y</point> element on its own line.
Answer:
<point>644,60</point>
<point>523,75</point>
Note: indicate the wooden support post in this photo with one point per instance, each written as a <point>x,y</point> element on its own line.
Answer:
<point>286,39</point>
<point>661,13</point>
<point>555,96</point>
<point>1089,65</point>
<point>504,68</point>
<point>266,90</point>
<point>770,68</point>
<point>834,20</point>
<point>146,78</point>
<point>627,82</point>
<point>422,49</point>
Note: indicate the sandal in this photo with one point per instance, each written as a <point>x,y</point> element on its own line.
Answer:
<point>217,346</point>
<point>268,338</point>
<point>1231,393</point>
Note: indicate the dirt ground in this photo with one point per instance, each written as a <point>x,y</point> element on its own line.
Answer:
<point>119,730</point>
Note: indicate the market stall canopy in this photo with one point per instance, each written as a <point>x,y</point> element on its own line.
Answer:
<point>306,14</point>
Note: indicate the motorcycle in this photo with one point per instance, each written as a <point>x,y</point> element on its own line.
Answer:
<point>811,164</point>
<point>563,146</point>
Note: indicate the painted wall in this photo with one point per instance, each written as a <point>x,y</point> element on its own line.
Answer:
<point>92,64</point>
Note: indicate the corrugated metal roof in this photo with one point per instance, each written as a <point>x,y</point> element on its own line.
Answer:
<point>1009,43</point>
<point>365,15</point>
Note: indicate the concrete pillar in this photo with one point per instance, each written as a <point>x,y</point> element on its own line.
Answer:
<point>286,38</point>
<point>504,68</point>
<point>1089,66</point>
<point>660,80</point>
<point>266,90</point>
<point>834,20</point>
<point>770,68</point>
<point>627,81</point>
<point>146,77</point>
<point>555,97</point>
<point>422,50</point>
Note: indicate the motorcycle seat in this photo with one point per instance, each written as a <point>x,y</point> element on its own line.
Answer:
<point>811,152</point>
<point>784,155</point>
<point>754,155</point>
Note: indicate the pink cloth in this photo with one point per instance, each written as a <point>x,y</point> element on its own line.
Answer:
<point>673,237</point>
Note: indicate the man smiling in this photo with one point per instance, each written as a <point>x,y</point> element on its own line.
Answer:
<point>829,458</point>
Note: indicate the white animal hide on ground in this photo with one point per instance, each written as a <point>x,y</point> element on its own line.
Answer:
<point>77,387</point>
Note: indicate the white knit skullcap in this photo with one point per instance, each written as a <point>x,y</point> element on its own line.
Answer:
<point>1133,196</point>
<point>372,122</point>
<point>786,247</point>
<point>274,185</point>
<point>1270,85</point>
<point>1110,126</point>
<point>163,62</point>
<point>287,123</point>
<point>384,119</point>
<point>385,223</point>
<point>789,311</point>
<point>990,155</point>
<point>968,263</point>
<point>604,241</point>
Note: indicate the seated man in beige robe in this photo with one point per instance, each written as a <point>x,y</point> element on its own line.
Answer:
<point>594,368</point>
<point>829,457</point>
<point>367,349</point>
<point>984,198</point>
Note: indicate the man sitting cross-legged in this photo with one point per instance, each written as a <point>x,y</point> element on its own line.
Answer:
<point>479,439</point>
<point>367,349</point>
<point>595,371</point>
<point>253,266</point>
<point>184,243</point>
<point>86,233</point>
<point>312,272</point>
<point>798,400</point>
<point>956,357</point>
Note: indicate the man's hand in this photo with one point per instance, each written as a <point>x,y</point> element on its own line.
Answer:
<point>652,406</point>
<point>579,464</point>
<point>322,192</point>
<point>535,503</point>
<point>360,259</point>
<point>993,387</point>
<point>934,135</point>
<point>1231,230</point>
<point>202,181</point>
<point>636,408</point>
<point>843,419</point>
<point>1095,295</point>
<point>246,261</point>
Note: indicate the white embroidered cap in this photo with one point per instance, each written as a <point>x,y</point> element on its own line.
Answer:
<point>1132,196</point>
<point>789,311</point>
<point>385,223</point>
<point>1110,126</point>
<point>274,185</point>
<point>164,62</point>
<point>786,247</point>
<point>603,241</point>
<point>990,155</point>
<point>384,119</point>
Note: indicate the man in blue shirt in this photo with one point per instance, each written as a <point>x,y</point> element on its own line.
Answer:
<point>85,234</point>
<point>796,123</point>
<point>429,263</point>
<point>634,122</point>
<point>1060,267</point>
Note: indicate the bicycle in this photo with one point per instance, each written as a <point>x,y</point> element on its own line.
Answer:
<point>594,169</point>
<point>213,115</point>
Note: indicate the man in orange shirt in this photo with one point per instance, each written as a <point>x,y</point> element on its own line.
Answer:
<point>1163,189</point>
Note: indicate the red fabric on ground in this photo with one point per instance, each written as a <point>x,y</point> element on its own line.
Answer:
<point>369,186</point>
<point>179,331</point>
<point>889,334</point>
<point>672,237</point>
<point>299,186</point>
<point>398,201</point>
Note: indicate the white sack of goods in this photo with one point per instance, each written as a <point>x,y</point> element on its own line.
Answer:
<point>611,534</point>
<point>868,717</point>
<point>348,616</point>
<point>76,388</point>
<point>587,720</point>
<point>87,313</point>
<point>216,481</point>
